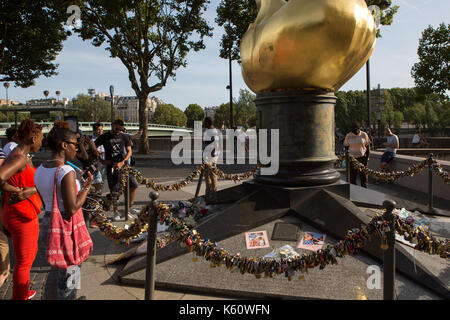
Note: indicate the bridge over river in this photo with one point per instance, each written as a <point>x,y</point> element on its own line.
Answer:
<point>155,130</point>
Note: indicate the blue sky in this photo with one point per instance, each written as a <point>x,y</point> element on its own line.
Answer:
<point>82,66</point>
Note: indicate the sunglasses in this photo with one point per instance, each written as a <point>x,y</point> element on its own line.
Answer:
<point>74,143</point>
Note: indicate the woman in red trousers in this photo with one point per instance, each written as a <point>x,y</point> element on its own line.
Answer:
<point>22,205</point>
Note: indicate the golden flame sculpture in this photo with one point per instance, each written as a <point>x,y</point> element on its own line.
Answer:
<point>306,44</point>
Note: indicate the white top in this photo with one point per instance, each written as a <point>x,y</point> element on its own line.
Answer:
<point>392,140</point>
<point>357,144</point>
<point>9,147</point>
<point>44,179</point>
<point>242,136</point>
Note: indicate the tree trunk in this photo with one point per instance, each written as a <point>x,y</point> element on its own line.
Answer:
<point>143,124</point>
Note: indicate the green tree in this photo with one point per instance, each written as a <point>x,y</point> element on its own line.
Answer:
<point>402,98</point>
<point>31,36</point>
<point>245,109</point>
<point>168,114</point>
<point>193,113</point>
<point>415,115</point>
<point>432,72</point>
<point>222,116</point>
<point>91,110</point>
<point>150,37</point>
<point>443,120</point>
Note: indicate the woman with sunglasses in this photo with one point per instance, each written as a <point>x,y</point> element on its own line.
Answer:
<point>70,195</point>
<point>22,206</point>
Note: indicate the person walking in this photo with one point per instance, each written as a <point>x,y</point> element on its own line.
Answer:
<point>13,139</point>
<point>358,143</point>
<point>97,183</point>
<point>70,196</point>
<point>22,205</point>
<point>116,143</point>
<point>210,154</point>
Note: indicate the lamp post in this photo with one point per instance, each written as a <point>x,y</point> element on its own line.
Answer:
<point>6,85</point>
<point>368,93</point>
<point>111,91</point>
<point>230,87</point>
<point>91,92</point>
<point>383,5</point>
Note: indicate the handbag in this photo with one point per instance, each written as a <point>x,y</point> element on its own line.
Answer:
<point>68,240</point>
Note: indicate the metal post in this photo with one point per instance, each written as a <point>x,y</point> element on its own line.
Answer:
<point>127,198</point>
<point>231,94</point>
<point>199,184</point>
<point>111,91</point>
<point>151,247</point>
<point>389,253</point>
<point>230,52</point>
<point>430,183</point>
<point>347,165</point>
<point>368,93</point>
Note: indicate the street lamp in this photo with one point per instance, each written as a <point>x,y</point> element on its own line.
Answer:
<point>368,93</point>
<point>91,92</point>
<point>383,5</point>
<point>111,91</point>
<point>6,85</point>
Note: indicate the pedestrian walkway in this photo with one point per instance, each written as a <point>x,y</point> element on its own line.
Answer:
<point>99,280</point>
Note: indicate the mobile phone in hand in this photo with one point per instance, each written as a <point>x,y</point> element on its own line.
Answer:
<point>92,169</point>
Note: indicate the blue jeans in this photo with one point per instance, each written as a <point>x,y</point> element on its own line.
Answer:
<point>68,280</point>
<point>387,157</point>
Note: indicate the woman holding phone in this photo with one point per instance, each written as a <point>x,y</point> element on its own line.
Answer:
<point>70,195</point>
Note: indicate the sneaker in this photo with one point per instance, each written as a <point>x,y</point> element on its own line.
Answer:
<point>31,294</point>
<point>132,216</point>
<point>117,217</point>
<point>135,211</point>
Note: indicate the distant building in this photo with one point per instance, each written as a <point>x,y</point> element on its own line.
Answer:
<point>47,102</point>
<point>128,107</point>
<point>210,112</point>
<point>41,102</point>
<point>8,102</point>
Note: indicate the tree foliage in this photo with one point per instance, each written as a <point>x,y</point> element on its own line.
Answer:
<point>236,15</point>
<point>31,36</point>
<point>89,109</point>
<point>427,112</point>
<point>432,72</point>
<point>222,116</point>
<point>152,39</point>
<point>170,115</point>
<point>245,109</point>
<point>193,113</point>
<point>244,112</point>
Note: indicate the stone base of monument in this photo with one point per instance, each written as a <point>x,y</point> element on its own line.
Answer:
<point>329,209</point>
